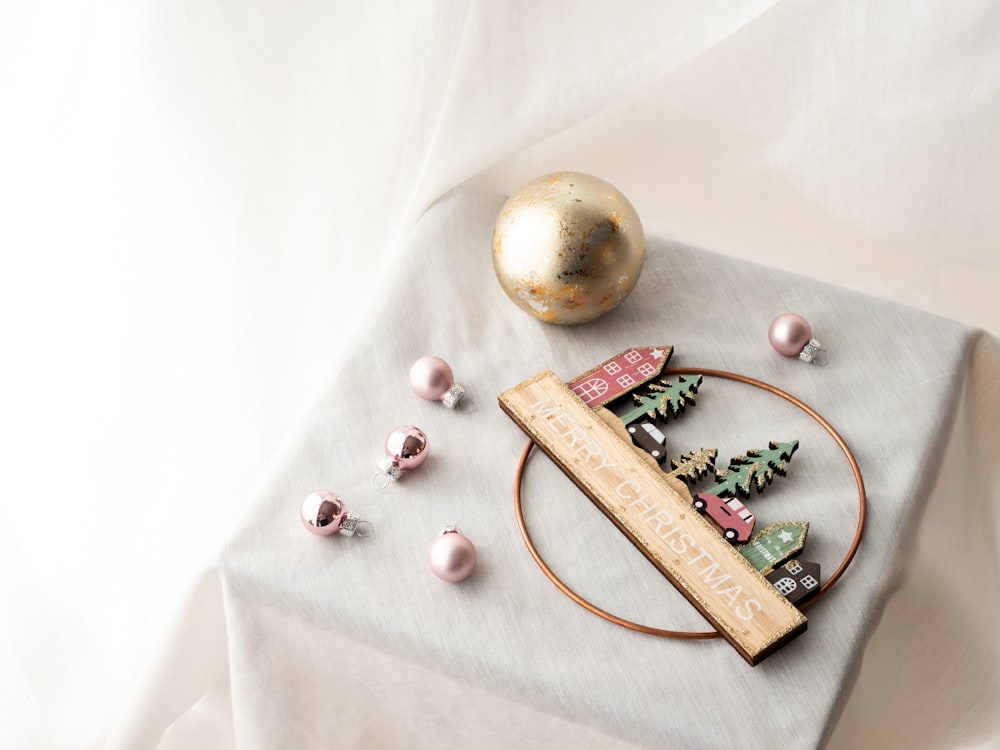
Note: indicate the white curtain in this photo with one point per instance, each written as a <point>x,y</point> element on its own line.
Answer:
<point>196,198</point>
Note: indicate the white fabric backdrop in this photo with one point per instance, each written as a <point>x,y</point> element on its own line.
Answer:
<point>193,196</point>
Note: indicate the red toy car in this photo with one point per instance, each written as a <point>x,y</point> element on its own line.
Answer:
<point>732,515</point>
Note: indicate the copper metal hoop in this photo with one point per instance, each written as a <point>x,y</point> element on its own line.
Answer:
<point>862,511</point>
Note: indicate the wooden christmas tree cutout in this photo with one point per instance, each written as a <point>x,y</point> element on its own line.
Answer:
<point>756,469</point>
<point>668,398</point>
<point>694,465</point>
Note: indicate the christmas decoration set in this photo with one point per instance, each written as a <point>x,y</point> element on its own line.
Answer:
<point>568,248</point>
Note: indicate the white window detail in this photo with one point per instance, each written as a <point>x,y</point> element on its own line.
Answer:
<point>809,582</point>
<point>792,566</point>
<point>591,389</point>
<point>611,368</point>
<point>632,357</point>
<point>786,585</point>
<point>646,370</point>
<point>626,380</point>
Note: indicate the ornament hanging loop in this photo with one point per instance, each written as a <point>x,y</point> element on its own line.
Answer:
<point>381,480</point>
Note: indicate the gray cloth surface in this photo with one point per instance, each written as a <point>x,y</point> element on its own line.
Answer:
<point>890,390</point>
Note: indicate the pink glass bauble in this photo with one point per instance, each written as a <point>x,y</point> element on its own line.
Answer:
<point>453,556</point>
<point>789,333</point>
<point>323,512</point>
<point>407,447</point>
<point>431,378</point>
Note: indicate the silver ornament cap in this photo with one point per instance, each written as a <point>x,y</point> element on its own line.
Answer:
<point>568,247</point>
<point>350,525</point>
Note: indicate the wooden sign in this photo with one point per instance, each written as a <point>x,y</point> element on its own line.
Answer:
<point>621,374</point>
<point>735,598</point>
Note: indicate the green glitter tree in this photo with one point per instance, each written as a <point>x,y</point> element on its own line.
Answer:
<point>665,399</point>
<point>756,469</point>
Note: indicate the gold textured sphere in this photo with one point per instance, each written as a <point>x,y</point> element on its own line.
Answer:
<point>568,247</point>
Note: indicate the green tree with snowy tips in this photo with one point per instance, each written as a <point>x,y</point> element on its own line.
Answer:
<point>754,470</point>
<point>664,399</point>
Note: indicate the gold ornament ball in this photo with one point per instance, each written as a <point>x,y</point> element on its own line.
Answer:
<point>568,247</point>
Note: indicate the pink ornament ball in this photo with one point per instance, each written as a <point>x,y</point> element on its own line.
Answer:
<point>452,557</point>
<point>407,446</point>
<point>431,378</point>
<point>323,512</point>
<point>789,333</point>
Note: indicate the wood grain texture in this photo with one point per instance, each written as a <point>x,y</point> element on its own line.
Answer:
<point>618,427</point>
<point>744,607</point>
